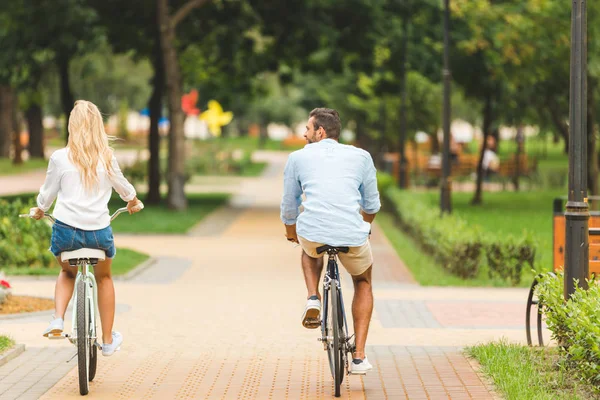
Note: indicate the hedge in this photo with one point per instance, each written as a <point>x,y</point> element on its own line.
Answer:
<point>460,247</point>
<point>575,325</point>
<point>24,242</point>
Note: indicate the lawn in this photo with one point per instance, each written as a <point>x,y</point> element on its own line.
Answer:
<point>125,261</point>
<point>523,373</point>
<point>8,168</point>
<point>247,143</point>
<point>160,219</point>
<point>5,343</point>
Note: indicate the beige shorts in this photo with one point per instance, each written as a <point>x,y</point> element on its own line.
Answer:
<point>356,261</point>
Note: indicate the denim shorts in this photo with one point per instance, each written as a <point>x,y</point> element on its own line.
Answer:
<point>67,238</point>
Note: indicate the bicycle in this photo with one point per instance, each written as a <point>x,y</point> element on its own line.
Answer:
<point>85,307</point>
<point>334,328</point>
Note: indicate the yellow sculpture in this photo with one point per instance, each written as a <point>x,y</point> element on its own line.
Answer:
<point>215,117</point>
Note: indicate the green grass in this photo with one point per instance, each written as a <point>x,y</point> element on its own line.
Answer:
<point>160,219</point>
<point>524,373</point>
<point>125,261</point>
<point>424,268</point>
<point>8,168</point>
<point>5,343</point>
<point>254,169</point>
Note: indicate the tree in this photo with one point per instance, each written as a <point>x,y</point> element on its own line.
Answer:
<point>168,23</point>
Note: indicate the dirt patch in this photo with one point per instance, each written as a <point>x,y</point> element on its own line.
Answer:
<point>25,304</point>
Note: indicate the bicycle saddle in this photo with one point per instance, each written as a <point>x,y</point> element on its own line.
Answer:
<point>93,255</point>
<point>332,249</point>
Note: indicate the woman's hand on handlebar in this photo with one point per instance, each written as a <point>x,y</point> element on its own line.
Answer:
<point>36,213</point>
<point>134,206</point>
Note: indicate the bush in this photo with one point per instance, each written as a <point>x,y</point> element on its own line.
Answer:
<point>452,242</point>
<point>458,245</point>
<point>384,182</point>
<point>23,242</point>
<point>506,257</point>
<point>575,325</point>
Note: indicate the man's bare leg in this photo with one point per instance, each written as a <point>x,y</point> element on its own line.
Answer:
<point>312,268</point>
<point>362,308</point>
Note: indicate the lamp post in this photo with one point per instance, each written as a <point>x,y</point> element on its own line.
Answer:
<point>577,214</point>
<point>446,184</point>
<point>403,181</point>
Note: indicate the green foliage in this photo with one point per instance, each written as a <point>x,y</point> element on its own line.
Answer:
<point>5,343</point>
<point>459,244</point>
<point>23,241</point>
<point>575,325</point>
<point>454,244</point>
<point>384,182</point>
<point>506,258</point>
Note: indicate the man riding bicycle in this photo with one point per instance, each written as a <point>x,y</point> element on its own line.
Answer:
<point>342,199</point>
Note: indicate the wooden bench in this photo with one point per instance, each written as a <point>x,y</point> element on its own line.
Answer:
<point>507,171</point>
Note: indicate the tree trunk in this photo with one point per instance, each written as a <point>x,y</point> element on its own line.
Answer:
<point>66,95</point>
<point>6,108</point>
<point>176,177</point>
<point>561,126</point>
<point>155,106</point>
<point>35,126</point>
<point>591,148</point>
<point>16,128</point>
<point>487,123</point>
<point>435,143</point>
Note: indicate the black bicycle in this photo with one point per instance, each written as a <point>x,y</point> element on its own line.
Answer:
<point>334,328</point>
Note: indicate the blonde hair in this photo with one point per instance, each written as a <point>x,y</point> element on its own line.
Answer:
<point>88,143</point>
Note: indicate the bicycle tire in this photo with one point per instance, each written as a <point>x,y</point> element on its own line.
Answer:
<point>337,348</point>
<point>83,353</point>
<point>93,362</point>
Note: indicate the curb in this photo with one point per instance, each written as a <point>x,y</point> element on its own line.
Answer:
<point>26,315</point>
<point>11,354</point>
<point>137,270</point>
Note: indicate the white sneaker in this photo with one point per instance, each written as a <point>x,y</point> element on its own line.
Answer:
<point>360,367</point>
<point>311,318</point>
<point>109,349</point>
<point>56,327</point>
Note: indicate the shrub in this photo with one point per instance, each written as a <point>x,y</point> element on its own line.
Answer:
<point>575,325</point>
<point>507,256</point>
<point>23,242</point>
<point>384,182</point>
<point>453,243</point>
<point>458,245</point>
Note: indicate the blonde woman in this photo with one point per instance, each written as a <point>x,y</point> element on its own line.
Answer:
<point>83,175</point>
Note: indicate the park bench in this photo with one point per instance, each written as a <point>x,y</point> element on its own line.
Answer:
<point>558,243</point>
<point>507,171</point>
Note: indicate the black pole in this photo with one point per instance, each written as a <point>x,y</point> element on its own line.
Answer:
<point>446,184</point>
<point>577,214</point>
<point>403,182</point>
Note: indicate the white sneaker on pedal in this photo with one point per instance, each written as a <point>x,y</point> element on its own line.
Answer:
<point>311,319</point>
<point>360,367</point>
<point>56,327</point>
<point>109,349</point>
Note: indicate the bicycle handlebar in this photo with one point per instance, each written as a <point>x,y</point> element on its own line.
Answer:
<point>140,205</point>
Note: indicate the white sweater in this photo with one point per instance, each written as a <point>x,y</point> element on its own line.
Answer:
<point>75,206</point>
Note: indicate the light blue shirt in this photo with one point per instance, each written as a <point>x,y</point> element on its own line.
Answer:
<point>338,181</point>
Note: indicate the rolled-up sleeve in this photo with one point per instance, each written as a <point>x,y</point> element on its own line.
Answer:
<point>370,202</point>
<point>292,194</point>
<point>120,183</point>
<point>49,189</point>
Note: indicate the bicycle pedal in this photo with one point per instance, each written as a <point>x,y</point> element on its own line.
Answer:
<point>58,336</point>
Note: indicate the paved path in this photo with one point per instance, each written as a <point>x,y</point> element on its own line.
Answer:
<point>219,318</point>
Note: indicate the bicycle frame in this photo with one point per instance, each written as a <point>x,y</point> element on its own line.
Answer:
<point>331,275</point>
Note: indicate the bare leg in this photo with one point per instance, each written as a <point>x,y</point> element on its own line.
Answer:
<point>106,298</point>
<point>362,308</point>
<point>312,268</point>
<point>63,290</point>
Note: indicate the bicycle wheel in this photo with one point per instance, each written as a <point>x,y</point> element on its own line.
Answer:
<point>83,343</point>
<point>336,350</point>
